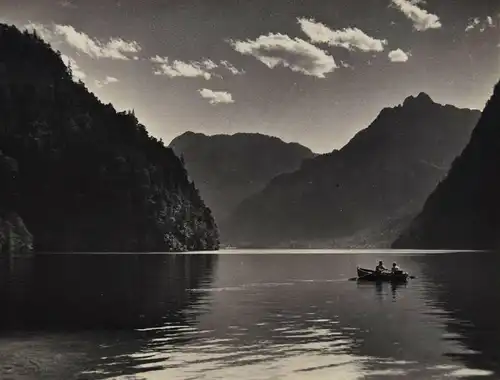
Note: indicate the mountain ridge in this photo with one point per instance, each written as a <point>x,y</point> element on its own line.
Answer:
<point>189,134</point>
<point>229,168</point>
<point>320,200</point>
<point>463,211</point>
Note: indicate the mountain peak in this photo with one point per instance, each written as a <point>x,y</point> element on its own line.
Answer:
<point>462,212</point>
<point>422,97</point>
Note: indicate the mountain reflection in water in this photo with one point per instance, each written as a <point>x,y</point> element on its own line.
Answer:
<point>248,316</point>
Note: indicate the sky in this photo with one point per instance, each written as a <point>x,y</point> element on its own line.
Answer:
<point>308,71</point>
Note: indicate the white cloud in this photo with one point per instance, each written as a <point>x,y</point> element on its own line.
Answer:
<point>42,30</point>
<point>121,46</point>
<point>191,69</point>
<point>111,79</point>
<point>67,4</point>
<point>233,70</point>
<point>472,24</point>
<point>475,23</point>
<point>422,20</point>
<point>296,54</point>
<point>114,48</point>
<point>209,64</point>
<point>158,59</point>
<point>178,68</point>
<point>105,81</point>
<point>216,97</point>
<point>345,64</point>
<point>349,38</point>
<point>78,73</point>
<point>398,55</point>
<point>80,41</point>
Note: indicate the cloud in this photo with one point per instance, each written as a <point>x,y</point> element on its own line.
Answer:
<point>209,64</point>
<point>111,79</point>
<point>422,20</point>
<point>398,55</point>
<point>349,38</point>
<point>191,69</point>
<point>345,64</point>
<point>475,22</point>
<point>67,4</point>
<point>216,97</point>
<point>42,30</point>
<point>114,48</point>
<point>296,54</point>
<point>78,73</point>
<point>472,24</point>
<point>105,81</point>
<point>233,70</point>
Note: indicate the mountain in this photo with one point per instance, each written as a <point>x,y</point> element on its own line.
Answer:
<point>463,212</point>
<point>81,176</point>
<point>384,174</point>
<point>229,168</point>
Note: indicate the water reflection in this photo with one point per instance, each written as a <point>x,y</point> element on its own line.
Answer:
<point>246,316</point>
<point>99,309</point>
<point>383,290</point>
<point>104,291</point>
<point>304,320</point>
<point>466,286</point>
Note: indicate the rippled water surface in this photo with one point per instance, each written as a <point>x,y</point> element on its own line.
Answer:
<point>249,316</point>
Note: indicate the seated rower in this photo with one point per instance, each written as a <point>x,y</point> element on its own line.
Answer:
<point>380,267</point>
<point>395,269</point>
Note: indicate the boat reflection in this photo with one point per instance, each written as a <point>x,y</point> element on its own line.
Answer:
<point>383,288</point>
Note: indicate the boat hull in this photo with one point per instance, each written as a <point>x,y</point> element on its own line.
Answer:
<point>371,275</point>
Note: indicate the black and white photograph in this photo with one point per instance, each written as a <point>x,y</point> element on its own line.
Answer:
<point>249,189</point>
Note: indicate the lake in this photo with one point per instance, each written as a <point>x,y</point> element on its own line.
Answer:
<point>245,315</point>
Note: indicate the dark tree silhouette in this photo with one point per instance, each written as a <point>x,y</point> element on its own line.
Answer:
<point>81,175</point>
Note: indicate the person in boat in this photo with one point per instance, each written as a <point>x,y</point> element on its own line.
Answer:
<point>380,267</point>
<point>395,269</point>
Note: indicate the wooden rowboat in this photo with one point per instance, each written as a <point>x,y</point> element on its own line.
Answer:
<point>371,275</point>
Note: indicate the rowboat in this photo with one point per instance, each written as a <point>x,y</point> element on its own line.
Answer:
<point>371,275</point>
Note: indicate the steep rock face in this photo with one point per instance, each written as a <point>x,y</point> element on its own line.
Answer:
<point>86,177</point>
<point>385,172</point>
<point>229,168</point>
<point>463,212</point>
<point>14,236</point>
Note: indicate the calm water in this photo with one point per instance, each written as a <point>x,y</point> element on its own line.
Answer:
<point>248,316</point>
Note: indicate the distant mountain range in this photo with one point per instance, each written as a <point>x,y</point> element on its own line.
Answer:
<point>363,194</point>
<point>464,210</point>
<point>229,168</point>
